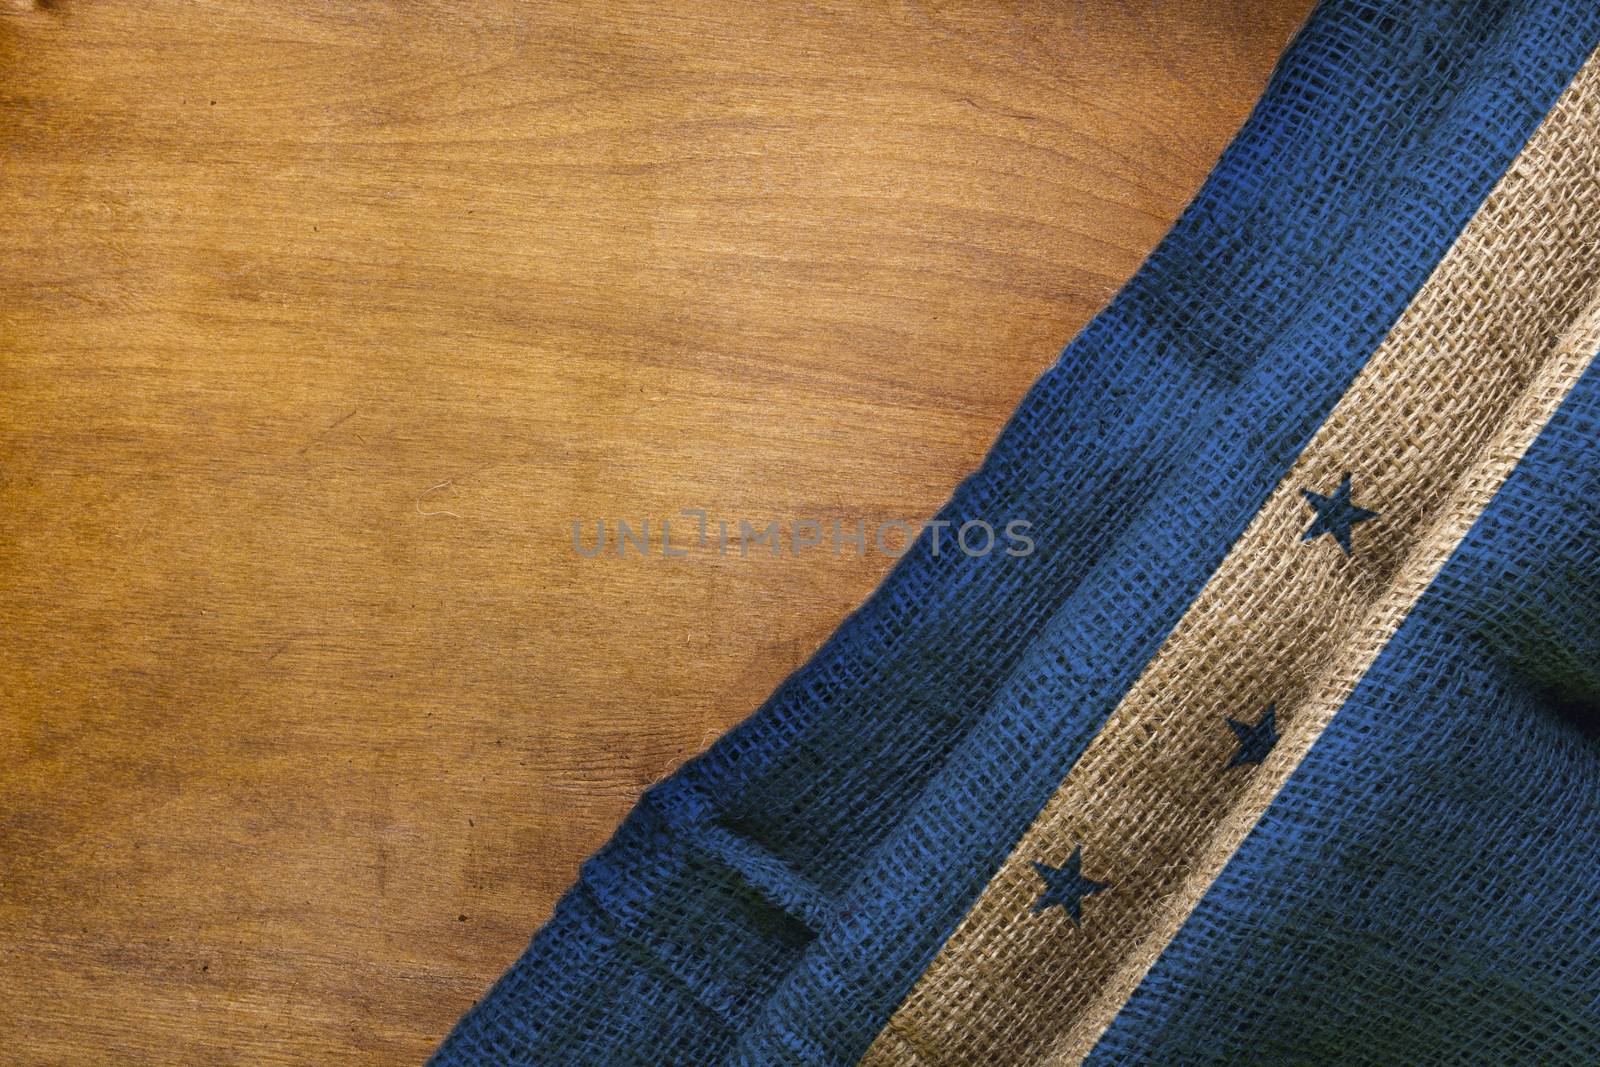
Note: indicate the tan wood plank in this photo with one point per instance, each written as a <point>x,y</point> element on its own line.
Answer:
<point>319,323</point>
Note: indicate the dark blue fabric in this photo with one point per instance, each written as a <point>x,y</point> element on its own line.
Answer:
<point>775,899</point>
<point>1424,889</point>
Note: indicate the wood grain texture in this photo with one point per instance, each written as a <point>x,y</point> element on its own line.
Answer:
<point>319,325</point>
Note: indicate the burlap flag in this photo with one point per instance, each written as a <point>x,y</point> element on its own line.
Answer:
<point>1284,744</point>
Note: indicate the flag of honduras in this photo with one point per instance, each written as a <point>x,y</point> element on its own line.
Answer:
<point>1283,746</point>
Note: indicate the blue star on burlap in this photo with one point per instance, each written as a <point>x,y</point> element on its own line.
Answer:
<point>1335,515</point>
<point>1255,741</point>
<point>1065,886</point>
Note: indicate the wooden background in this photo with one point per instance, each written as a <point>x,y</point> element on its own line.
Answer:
<point>319,325</point>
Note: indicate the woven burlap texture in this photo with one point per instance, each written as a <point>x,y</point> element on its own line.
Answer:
<point>1429,430</point>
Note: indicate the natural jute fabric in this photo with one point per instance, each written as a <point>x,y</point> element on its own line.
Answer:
<point>1280,748</point>
<point>1432,426</point>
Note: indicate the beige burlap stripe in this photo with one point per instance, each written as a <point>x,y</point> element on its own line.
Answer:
<point>1428,431</point>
